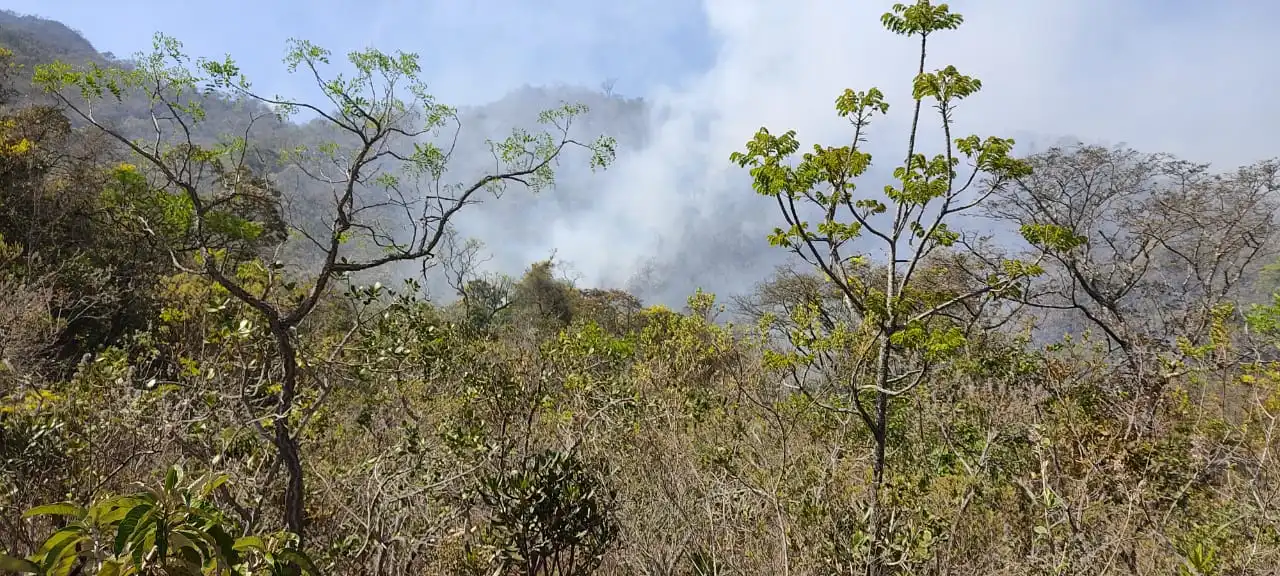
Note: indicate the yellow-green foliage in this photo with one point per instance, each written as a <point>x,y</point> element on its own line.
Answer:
<point>850,416</point>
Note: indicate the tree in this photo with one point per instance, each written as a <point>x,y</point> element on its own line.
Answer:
<point>1142,246</point>
<point>551,514</point>
<point>901,324</point>
<point>381,161</point>
<point>545,300</point>
<point>1149,249</point>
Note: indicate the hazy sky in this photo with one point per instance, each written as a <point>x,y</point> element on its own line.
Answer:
<point>471,50</point>
<point>1184,76</point>
<point>1195,78</point>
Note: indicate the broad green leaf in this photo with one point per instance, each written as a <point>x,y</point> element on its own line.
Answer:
<point>162,539</point>
<point>172,477</point>
<point>250,543</point>
<point>57,539</point>
<point>199,541</point>
<point>18,565</point>
<point>114,510</point>
<point>59,559</point>
<point>224,543</point>
<point>58,509</point>
<point>130,524</point>
<point>182,542</point>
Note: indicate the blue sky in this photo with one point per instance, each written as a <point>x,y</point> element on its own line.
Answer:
<point>1192,78</point>
<point>471,50</point>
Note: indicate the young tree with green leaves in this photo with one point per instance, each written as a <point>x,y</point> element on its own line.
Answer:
<point>381,162</point>
<point>899,329</point>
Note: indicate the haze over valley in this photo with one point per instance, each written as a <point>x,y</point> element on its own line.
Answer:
<point>674,288</point>
<point>690,83</point>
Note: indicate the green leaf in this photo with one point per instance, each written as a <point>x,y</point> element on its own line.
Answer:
<point>58,509</point>
<point>109,568</point>
<point>301,560</point>
<point>250,543</point>
<point>161,540</point>
<point>172,477</point>
<point>57,539</point>
<point>114,510</point>
<point>226,546</point>
<point>129,525</point>
<point>59,559</point>
<point>183,542</point>
<point>18,565</point>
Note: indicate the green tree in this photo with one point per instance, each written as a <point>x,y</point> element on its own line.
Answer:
<point>382,161</point>
<point>549,515</point>
<point>895,321</point>
<point>547,301</point>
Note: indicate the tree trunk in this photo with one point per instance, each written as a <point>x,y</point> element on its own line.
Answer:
<point>876,563</point>
<point>285,443</point>
<point>287,446</point>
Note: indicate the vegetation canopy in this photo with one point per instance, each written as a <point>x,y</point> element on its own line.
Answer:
<point>218,354</point>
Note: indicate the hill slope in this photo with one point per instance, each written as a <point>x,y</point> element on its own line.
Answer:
<point>516,230</point>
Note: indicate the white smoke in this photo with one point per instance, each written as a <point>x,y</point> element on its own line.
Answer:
<point>1191,78</point>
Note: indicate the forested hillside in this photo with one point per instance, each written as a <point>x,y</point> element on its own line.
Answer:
<point>217,355</point>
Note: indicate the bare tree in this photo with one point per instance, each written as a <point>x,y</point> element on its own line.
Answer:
<point>1145,247</point>
<point>607,86</point>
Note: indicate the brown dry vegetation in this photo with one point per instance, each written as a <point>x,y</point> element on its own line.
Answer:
<point>852,418</point>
